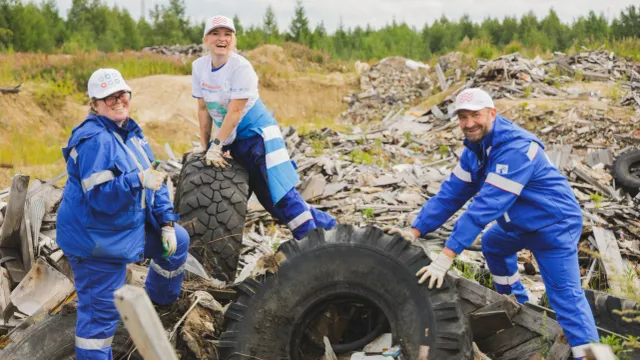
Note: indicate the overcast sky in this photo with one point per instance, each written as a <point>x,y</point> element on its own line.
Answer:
<point>376,12</point>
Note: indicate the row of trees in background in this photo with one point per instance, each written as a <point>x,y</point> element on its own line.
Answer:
<point>93,25</point>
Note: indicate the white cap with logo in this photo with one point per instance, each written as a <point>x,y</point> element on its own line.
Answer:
<point>473,99</point>
<point>218,21</point>
<point>104,82</point>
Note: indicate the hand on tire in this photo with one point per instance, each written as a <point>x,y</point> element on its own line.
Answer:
<point>405,233</point>
<point>153,179</point>
<point>197,150</point>
<point>215,157</point>
<point>436,270</point>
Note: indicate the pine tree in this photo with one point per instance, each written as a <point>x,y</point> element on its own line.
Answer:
<point>270,25</point>
<point>299,28</point>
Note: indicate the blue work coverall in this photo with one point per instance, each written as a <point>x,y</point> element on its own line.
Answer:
<point>260,148</point>
<point>535,208</point>
<point>108,219</point>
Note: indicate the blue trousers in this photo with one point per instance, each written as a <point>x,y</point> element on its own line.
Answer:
<point>96,281</point>
<point>292,210</point>
<point>555,251</point>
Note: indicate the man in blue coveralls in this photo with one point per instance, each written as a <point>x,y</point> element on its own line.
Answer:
<point>518,186</point>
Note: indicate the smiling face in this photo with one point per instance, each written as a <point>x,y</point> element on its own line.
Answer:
<point>476,124</point>
<point>220,41</point>
<point>114,107</point>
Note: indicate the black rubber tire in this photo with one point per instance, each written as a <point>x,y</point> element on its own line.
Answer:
<point>212,203</point>
<point>621,171</point>
<point>53,338</point>
<point>345,261</point>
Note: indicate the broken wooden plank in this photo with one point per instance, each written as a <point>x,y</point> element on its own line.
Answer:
<point>10,232</point>
<point>610,257</point>
<point>441,79</point>
<point>601,188</point>
<point>13,263</point>
<point>13,90</point>
<point>5,289</point>
<point>508,339</point>
<point>599,157</point>
<point>143,323</point>
<point>486,323</point>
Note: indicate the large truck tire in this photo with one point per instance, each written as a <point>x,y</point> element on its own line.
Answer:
<point>212,203</point>
<point>626,171</point>
<point>269,318</point>
<point>53,338</point>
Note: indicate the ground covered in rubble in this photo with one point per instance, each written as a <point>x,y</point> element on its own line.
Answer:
<point>391,143</point>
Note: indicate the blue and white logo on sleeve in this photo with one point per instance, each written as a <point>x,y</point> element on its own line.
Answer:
<point>502,169</point>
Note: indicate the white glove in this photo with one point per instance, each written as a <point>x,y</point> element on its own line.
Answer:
<point>198,150</point>
<point>436,270</point>
<point>169,241</point>
<point>405,233</point>
<point>153,179</point>
<point>214,156</point>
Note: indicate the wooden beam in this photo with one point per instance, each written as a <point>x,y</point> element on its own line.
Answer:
<point>143,323</point>
<point>10,232</point>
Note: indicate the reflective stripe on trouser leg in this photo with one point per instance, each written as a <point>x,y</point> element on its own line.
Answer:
<point>98,317</point>
<point>296,213</point>
<point>500,250</point>
<point>165,275</point>
<point>578,352</point>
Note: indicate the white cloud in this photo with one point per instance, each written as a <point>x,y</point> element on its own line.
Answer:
<point>378,12</point>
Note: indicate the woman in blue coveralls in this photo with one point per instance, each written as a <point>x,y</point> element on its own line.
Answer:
<point>226,87</point>
<point>115,210</point>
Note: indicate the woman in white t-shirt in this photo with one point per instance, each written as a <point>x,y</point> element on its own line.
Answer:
<point>226,87</point>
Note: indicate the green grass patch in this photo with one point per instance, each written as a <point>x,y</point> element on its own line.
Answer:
<point>75,70</point>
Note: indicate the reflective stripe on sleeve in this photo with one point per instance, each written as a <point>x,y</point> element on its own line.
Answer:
<point>504,183</point>
<point>96,179</point>
<point>73,154</point>
<point>93,344</point>
<point>461,174</point>
<point>533,150</point>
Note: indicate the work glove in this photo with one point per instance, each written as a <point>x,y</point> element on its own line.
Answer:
<point>153,179</point>
<point>436,270</point>
<point>405,233</point>
<point>169,241</point>
<point>214,156</point>
<point>197,150</point>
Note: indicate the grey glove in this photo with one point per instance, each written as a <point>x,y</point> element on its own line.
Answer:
<point>214,156</point>
<point>153,179</point>
<point>405,233</point>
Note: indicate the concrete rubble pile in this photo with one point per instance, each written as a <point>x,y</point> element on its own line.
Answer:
<point>394,81</point>
<point>193,50</point>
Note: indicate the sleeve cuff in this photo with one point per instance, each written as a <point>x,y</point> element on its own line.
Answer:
<point>134,180</point>
<point>421,226</point>
<point>462,236</point>
<point>241,95</point>
<point>170,217</point>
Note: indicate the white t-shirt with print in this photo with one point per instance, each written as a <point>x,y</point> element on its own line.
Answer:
<point>234,80</point>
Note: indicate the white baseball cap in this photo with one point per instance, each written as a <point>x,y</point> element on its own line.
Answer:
<point>473,99</point>
<point>218,21</point>
<point>104,82</point>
